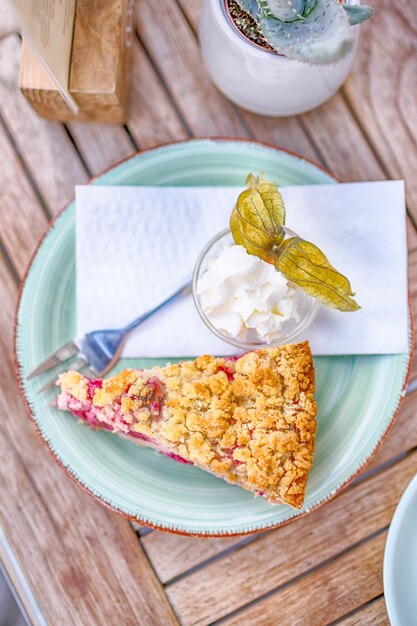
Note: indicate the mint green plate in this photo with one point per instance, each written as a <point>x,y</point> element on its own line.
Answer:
<point>357,396</point>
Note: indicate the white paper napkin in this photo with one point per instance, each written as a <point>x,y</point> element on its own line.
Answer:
<point>136,245</point>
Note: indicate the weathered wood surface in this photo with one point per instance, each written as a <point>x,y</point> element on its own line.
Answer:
<point>45,147</point>
<point>374,613</point>
<point>84,564</point>
<point>333,590</point>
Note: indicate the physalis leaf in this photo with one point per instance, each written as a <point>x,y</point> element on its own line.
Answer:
<point>258,218</point>
<point>262,204</point>
<point>235,228</point>
<point>257,223</point>
<point>255,240</point>
<point>304,264</point>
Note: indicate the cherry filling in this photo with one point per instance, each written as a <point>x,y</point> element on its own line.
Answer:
<point>85,412</point>
<point>228,452</point>
<point>229,372</point>
<point>92,385</point>
<point>153,398</point>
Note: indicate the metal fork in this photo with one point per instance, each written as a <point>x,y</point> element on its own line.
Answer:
<point>99,349</point>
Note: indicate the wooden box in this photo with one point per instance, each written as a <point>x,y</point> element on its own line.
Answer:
<point>100,65</point>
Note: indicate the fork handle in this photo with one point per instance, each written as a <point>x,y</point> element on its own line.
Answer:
<point>181,292</point>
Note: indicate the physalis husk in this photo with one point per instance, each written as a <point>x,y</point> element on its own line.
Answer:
<point>257,223</point>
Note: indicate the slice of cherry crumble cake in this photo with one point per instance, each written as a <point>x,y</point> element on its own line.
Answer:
<point>249,420</point>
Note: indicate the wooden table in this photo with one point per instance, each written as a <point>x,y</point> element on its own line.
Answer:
<point>86,565</point>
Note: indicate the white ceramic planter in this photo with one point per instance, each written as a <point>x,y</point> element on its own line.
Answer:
<point>260,80</point>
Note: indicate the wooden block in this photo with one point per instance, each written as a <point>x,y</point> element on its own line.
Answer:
<point>99,73</point>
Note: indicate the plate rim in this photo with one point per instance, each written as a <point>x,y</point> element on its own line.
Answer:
<point>26,401</point>
<point>407,496</point>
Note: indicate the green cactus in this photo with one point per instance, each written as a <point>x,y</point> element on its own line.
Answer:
<point>311,31</point>
<point>283,10</point>
<point>250,6</point>
<point>357,13</point>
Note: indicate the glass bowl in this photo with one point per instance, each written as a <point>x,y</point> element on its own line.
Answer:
<point>307,306</point>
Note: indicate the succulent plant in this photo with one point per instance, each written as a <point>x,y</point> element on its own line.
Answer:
<point>312,31</point>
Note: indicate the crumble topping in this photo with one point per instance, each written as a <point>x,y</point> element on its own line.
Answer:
<point>75,384</point>
<point>249,420</point>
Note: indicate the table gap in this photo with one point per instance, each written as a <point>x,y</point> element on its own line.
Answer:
<point>132,139</point>
<point>9,263</point>
<point>365,134</point>
<point>412,386</point>
<point>246,540</point>
<point>355,611</point>
<point>77,150</point>
<point>313,142</point>
<point>140,530</point>
<point>151,565</point>
<point>26,170</point>
<point>380,468</point>
<point>187,19</point>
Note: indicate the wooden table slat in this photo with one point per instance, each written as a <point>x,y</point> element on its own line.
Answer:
<point>329,592</point>
<point>174,49</point>
<point>174,555</point>
<point>153,118</point>
<point>45,147</point>
<point>22,218</point>
<point>192,11</point>
<point>373,613</point>
<point>100,145</point>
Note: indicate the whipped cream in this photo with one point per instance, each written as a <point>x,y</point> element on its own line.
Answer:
<point>245,297</point>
